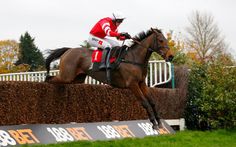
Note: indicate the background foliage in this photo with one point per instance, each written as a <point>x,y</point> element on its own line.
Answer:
<point>9,50</point>
<point>211,97</point>
<point>212,83</point>
<point>29,53</point>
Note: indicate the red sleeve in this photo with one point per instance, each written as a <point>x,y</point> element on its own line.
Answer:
<point>105,25</point>
<point>114,34</point>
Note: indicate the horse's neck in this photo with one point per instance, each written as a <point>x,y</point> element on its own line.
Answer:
<point>139,52</point>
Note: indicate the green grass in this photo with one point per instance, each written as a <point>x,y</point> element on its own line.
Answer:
<point>217,138</point>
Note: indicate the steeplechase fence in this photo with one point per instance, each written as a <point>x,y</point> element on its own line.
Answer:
<point>101,112</point>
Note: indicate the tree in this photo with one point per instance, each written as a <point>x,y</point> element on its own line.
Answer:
<point>29,53</point>
<point>204,37</point>
<point>177,45</point>
<point>9,50</point>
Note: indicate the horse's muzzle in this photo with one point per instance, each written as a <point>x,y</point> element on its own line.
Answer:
<point>170,58</point>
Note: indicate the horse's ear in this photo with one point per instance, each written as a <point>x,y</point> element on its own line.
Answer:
<point>152,29</point>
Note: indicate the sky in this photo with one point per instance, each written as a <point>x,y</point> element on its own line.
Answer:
<point>66,23</point>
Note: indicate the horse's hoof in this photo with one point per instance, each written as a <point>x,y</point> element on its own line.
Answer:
<point>154,127</point>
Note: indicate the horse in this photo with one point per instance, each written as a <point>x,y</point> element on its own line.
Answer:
<point>75,65</point>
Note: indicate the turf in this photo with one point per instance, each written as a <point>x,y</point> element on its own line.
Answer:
<point>216,138</point>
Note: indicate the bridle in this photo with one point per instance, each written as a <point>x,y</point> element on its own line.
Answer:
<point>156,47</point>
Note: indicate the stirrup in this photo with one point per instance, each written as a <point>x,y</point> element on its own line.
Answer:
<point>102,66</point>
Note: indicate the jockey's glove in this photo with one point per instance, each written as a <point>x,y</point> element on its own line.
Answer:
<point>126,35</point>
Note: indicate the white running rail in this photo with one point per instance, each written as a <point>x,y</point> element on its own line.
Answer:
<point>159,72</point>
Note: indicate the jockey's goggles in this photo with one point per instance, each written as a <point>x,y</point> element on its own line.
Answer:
<point>119,20</point>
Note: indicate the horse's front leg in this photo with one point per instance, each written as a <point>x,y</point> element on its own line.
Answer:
<point>148,95</point>
<point>140,96</point>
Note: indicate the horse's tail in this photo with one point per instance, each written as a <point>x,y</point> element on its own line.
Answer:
<point>54,55</point>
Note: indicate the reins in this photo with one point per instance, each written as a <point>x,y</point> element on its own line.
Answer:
<point>140,44</point>
<point>149,50</point>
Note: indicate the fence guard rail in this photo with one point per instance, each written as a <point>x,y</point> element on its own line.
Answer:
<point>159,72</point>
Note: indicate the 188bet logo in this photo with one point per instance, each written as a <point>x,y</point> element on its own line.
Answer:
<point>19,136</point>
<point>6,139</point>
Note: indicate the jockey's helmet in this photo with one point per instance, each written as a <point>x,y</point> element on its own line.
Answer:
<point>118,16</point>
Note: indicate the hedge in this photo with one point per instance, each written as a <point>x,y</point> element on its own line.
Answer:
<point>32,102</point>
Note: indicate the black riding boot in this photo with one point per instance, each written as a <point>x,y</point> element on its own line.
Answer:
<point>104,58</point>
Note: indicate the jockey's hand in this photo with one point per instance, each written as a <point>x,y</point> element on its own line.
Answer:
<point>126,35</point>
<point>122,38</point>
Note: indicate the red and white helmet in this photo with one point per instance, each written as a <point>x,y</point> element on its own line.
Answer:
<point>117,16</point>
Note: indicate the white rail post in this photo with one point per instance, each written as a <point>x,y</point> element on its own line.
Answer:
<point>181,124</point>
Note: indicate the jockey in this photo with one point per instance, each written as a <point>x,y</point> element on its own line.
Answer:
<point>107,27</point>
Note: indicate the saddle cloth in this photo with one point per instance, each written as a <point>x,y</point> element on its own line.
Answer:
<point>97,56</point>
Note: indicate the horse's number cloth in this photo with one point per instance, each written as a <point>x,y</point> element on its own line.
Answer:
<point>97,56</point>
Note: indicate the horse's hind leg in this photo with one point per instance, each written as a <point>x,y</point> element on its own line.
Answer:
<point>139,94</point>
<point>147,94</point>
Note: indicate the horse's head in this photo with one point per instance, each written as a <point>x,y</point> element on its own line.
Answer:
<point>160,45</point>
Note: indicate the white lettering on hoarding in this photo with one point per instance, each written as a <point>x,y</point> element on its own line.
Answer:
<point>109,131</point>
<point>60,134</point>
<point>6,139</point>
<point>147,128</point>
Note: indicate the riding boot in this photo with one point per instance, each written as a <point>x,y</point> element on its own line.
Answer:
<point>104,58</point>
<point>108,64</point>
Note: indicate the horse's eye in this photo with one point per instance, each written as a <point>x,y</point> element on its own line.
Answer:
<point>161,41</point>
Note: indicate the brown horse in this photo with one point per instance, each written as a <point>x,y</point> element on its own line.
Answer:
<point>75,65</point>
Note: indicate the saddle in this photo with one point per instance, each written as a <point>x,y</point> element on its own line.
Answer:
<point>117,54</point>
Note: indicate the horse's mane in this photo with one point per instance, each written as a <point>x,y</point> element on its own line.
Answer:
<point>144,34</point>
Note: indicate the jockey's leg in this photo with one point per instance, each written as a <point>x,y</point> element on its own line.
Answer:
<point>103,43</point>
<point>108,44</point>
<point>105,58</point>
<point>112,42</point>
